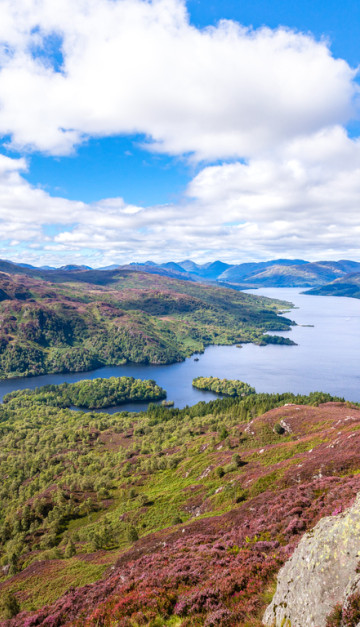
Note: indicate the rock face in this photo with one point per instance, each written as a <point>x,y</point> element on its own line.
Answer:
<point>320,574</point>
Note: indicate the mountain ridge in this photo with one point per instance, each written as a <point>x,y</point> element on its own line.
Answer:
<point>248,275</point>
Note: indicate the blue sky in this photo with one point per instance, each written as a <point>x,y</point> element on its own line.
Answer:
<point>117,166</point>
<point>195,141</point>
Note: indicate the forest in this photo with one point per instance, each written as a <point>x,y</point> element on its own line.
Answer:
<point>91,394</point>
<point>85,320</point>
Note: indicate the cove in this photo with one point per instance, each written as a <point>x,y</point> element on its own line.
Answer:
<point>325,359</point>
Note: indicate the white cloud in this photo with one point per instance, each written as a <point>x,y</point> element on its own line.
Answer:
<point>139,66</point>
<point>302,200</point>
<point>275,101</point>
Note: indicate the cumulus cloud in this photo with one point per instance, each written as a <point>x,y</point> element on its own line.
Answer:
<point>300,200</point>
<point>275,102</point>
<point>139,66</point>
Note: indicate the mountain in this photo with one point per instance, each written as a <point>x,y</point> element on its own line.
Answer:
<point>348,285</point>
<point>189,266</point>
<point>292,276</point>
<point>305,274</point>
<point>213,270</point>
<point>272,273</point>
<point>113,266</point>
<point>171,265</point>
<point>169,270</point>
<point>25,265</point>
<point>177,517</point>
<point>74,268</point>
<point>13,268</point>
<point>216,271</point>
<point>244,271</point>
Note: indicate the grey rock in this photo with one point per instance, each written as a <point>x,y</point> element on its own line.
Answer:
<point>320,574</point>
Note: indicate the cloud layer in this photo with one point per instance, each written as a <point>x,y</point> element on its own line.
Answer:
<point>274,102</point>
<point>301,201</point>
<point>139,66</point>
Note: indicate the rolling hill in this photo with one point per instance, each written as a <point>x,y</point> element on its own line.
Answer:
<point>76,320</point>
<point>348,285</point>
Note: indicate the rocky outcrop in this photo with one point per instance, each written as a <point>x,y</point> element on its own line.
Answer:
<point>321,573</point>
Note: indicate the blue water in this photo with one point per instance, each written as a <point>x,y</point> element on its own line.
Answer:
<point>327,358</point>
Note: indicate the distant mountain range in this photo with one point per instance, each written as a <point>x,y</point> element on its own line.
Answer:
<point>273,273</point>
<point>335,276</point>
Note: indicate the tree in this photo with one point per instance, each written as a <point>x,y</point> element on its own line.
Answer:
<point>70,550</point>
<point>10,605</point>
<point>132,534</point>
<point>223,434</point>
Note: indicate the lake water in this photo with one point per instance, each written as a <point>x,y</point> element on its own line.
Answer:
<point>327,358</point>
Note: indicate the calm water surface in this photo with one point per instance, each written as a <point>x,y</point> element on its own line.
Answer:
<point>327,357</point>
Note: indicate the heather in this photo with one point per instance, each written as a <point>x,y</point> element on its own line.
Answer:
<point>79,321</point>
<point>347,615</point>
<point>170,517</point>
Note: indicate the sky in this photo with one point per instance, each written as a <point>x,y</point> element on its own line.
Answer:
<point>163,129</point>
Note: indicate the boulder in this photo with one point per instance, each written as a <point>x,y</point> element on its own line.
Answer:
<point>320,574</point>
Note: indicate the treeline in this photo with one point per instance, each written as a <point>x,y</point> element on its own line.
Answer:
<point>227,387</point>
<point>90,394</point>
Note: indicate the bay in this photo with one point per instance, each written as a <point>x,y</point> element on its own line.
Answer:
<point>326,358</point>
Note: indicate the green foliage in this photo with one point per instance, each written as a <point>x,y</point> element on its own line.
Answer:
<point>9,605</point>
<point>236,459</point>
<point>132,534</point>
<point>226,387</point>
<point>223,433</point>
<point>70,550</point>
<point>80,481</point>
<point>92,394</point>
<point>121,317</point>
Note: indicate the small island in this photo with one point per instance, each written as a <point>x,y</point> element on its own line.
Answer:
<point>90,394</point>
<point>226,387</point>
<point>167,403</point>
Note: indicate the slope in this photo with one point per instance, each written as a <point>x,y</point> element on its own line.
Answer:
<point>349,285</point>
<point>188,514</point>
<point>84,319</point>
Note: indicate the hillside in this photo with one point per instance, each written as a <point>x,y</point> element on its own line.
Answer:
<point>83,319</point>
<point>109,518</point>
<point>349,285</point>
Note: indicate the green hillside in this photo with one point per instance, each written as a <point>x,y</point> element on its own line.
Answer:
<point>85,319</point>
<point>348,285</point>
<point>143,503</point>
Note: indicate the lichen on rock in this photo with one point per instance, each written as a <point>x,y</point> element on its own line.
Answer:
<point>321,573</point>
